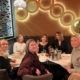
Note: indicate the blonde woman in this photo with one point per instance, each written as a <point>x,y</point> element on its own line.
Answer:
<point>4,61</point>
<point>75,55</point>
<point>59,43</point>
<point>19,46</point>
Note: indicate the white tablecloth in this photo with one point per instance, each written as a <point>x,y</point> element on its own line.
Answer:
<point>64,61</point>
<point>18,58</point>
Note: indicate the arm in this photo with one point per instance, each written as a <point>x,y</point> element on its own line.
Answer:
<point>15,48</point>
<point>53,44</point>
<point>77,70</point>
<point>49,49</point>
<point>37,48</point>
<point>26,67</point>
<point>77,61</point>
<point>5,64</point>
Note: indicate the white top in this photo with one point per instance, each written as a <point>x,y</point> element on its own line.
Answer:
<point>19,47</point>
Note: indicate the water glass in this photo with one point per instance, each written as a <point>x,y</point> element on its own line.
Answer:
<point>59,54</point>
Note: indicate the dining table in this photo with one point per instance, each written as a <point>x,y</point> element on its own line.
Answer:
<point>64,61</point>
<point>56,67</point>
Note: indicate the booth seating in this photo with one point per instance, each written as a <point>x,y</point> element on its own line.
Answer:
<point>41,77</point>
<point>4,74</point>
<point>50,39</point>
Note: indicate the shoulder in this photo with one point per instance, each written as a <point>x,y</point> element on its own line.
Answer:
<point>73,50</point>
<point>55,40</point>
<point>40,43</point>
<point>27,57</point>
<point>16,43</point>
<point>24,43</point>
<point>48,44</point>
<point>63,41</point>
<point>2,58</point>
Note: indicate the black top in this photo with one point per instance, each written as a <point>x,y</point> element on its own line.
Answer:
<point>59,73</point>
<point>5,64</point>
<point>44,48</point>
<point>62,47</point>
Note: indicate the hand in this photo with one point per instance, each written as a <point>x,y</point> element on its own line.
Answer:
<point>13,60</point>
<point>47,72</point>
<point>68,69</point>
<point>47,54</point>
<point>38,72</point>
<point>63,53</point>
<point>21,53</point>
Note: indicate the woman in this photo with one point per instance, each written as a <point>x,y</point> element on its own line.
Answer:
<point>74,76</point>
<point>60,43</point>
<point>19,46</point>
<point>4,61</point>
<point>30,63</point>
<point>75,55</point>
<point>44,45</point>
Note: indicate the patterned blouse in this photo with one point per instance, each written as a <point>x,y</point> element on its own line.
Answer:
<point>29,65</point>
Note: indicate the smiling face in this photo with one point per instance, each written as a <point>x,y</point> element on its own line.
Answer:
<point>44,38</point>
<point>4,45</point>
<point>21,39</point>
<point>33,46</point>
<point>57,36</point>
<point>75,42</point>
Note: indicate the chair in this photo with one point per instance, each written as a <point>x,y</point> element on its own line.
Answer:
<point>41,77</point>
<point>3,74</point>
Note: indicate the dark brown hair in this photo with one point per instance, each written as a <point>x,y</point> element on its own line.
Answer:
<point>46,37</point>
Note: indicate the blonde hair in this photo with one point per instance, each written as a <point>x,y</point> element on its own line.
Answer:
<point>27,44</point>
<point>1,41</point>
<point>77,36</point>
<point>2,53</point>
<point>60,35</point>
<point>19,37</point>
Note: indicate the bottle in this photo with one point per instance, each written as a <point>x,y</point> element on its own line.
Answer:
<point>55,54</point>
<point>52,53</point>
<point>59,54</point>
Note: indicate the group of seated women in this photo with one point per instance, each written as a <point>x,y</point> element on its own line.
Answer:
<point>59,43</point>
<point>30,63</point>
<point>43,45</point>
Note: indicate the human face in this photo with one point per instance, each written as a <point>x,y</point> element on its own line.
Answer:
<point>57,36</point>
<point>33,47</point>
<point>75,42</point>
<point>21,39</point>
<point>44,38</point>
<point>4,45</point>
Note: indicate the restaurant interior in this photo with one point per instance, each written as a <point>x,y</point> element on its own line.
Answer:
<point>32,19</point>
